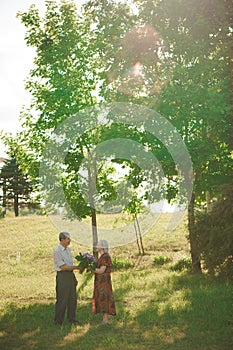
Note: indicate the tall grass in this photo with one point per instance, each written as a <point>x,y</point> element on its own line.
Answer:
<point>157,308</point>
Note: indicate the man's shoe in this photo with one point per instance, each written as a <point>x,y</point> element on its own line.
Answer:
<point>77,323</point>
<point>58,323</point>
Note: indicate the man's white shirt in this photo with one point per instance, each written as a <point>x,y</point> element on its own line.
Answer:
<point>62,256</point>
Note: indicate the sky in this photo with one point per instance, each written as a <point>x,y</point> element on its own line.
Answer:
<point>16,60</point>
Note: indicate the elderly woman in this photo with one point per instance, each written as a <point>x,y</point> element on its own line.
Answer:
<point>103,300</point>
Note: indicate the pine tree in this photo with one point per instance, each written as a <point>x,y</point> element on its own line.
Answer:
<point>16,187</point>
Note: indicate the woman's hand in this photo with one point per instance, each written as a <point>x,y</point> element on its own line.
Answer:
<point>100,270</point>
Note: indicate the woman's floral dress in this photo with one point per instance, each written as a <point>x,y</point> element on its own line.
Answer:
<point>103,300</point>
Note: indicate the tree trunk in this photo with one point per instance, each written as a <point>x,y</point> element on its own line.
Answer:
<point>92,184</point>
<point>4,198</point>
<point>16,204</point>
<point>140,234</point>
<point>94,232</point>
<point>4,193</point>
<point>208,202</point>
<point>196,265</point>
<point>136,232</point>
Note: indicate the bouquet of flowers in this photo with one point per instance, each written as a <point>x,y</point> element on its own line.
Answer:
<point>86,262</point>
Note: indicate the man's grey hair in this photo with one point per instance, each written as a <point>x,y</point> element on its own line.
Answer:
<point>104,244</point>
<point>63,235</point>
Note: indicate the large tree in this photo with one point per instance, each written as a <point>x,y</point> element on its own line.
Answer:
<point>64,81</point>
<point>176,60</point>
<point>197,98</point>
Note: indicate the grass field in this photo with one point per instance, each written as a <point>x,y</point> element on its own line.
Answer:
<point>156,308</point>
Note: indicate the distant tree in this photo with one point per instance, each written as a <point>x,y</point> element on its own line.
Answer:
<point>16,187</point>
<point>134,208</point>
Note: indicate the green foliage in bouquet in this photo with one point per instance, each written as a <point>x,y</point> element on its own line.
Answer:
<point>86,262</point>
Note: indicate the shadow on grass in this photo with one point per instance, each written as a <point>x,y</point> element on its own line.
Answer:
<point>191,312</point>
<point>31,326</point>
<point>185,312</point>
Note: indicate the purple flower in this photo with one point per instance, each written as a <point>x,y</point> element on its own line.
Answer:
<point>86,262</point>
<point>89,257</point>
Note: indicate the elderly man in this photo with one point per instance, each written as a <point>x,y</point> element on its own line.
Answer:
<point>66,282</point>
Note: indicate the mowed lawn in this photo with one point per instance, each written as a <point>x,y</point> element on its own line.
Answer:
<point>156,308</point>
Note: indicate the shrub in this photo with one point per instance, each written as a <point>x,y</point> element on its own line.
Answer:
<point>121,264</point>
<point>161,260</point>
<point>182,264</point>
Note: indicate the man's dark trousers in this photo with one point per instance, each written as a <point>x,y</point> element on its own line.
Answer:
<point>66,298</point>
